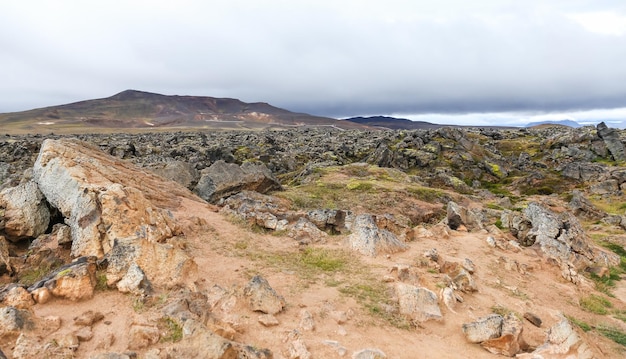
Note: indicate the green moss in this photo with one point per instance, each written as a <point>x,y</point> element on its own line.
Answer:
<point>171,331</point>
<point>355,185</point>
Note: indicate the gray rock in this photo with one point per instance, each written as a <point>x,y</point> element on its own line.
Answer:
<point>612,140</point>
<point>609,186</point>
<point>562,338</point>
<point>582,207</point>
<point>199,342</point>
<point>368,239</point>
<point>306,232</point>
<point>418,303</point>
<point>178,171</point>
<point>11,320</point>
<point>28,347</point>
<point>26,214</point>
<point>262,297</point>
<point>134,281</point>
<point>109,356</point>
<point>458,215</point>
<point>332,220</point>
<point>142,336</point>
<point>5,262</point>
<point>369,354</point>
<point>511,341</point>
<point>223,179</point>
<point>484,328</point>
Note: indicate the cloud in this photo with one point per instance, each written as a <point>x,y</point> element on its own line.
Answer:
<point>332,58</point>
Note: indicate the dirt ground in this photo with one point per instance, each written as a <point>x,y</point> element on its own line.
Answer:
<point>225,254</point>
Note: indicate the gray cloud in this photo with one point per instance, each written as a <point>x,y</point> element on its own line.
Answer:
<point>328,58</point>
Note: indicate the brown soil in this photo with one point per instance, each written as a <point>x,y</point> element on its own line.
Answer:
<point>541,291</point>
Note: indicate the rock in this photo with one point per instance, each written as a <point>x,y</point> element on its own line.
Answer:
<point>331,220</point>
<point>69,341</point>
<point>298,350</point>
<point>27,347</point>
<point>268,320</point>
<point>458,216</point>
<point>18,297</point>
<point>559,235</point>
<point>306,232</point>
<point>74,281</point>
<point>134,281</point>
<point>612,140</point>
<point>41,295</point>
<point>2,356</point>
<point>511,341</point>
<point>5,261</point>
<point>104,199</point>
<point>463,281</point>
<point>262,297</point>
<point>199,343</point>
<point>142,336</point>
<point>448,298</point>
<point>562,340</point>
<point>52,323</point>
<point>178,171</point>
<point>84,334</point>
<point>88,318</point>
<point>307,323</point>
<point>533,319</point>
<point>225,179</point>
<point>163,265</point>
<point>485,328</point>
<point>11,320</point>
<point>369,354</point>
<point>418,303</point>
<point>110,356</point>
<point>582,207</point>
<point>368,239</point>
<point>26,213</point>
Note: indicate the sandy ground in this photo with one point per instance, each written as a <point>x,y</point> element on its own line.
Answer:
<point>541,290</point>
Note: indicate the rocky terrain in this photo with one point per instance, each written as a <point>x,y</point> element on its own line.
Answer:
<point>314,243</point>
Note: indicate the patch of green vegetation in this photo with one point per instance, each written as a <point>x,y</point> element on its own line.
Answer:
<point>499,224</point>
<point>64,272</point>
<point>494,206</point>
<point>497,188</point>
<point>30,276</point>
<point>579,323</point>
<point>139,305</point>
<point>101,281</point>
<point>374,296</point>
<point>605,283</point>
<point>513,147</point>
<point>355,185</point>
<point>614,334</point>
<point>171,331</point>
<point>494,169</point>
<point>504,311</point>
<point>617,249</point>
<point>426,194</point>
<point>620,314</point>
<point>322,259</point>
<point>596,304</point>
<point>610,205</point>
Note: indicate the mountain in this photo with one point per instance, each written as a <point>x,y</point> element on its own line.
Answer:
<point>568,123</point>
<point>133,109</point>
<point>393,123</point>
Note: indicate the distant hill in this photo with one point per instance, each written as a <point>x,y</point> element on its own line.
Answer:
<point>568,123</point>
<point>393,123</point>
<point>133,109</point>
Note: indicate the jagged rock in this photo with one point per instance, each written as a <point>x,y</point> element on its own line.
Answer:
<point>110,356</point>
<point>26,214</point>
<point>178,171</point>
<point>28,347</point>
<point>103,199</point>
<point>18,297</point>
<point>162,264</point>
<point>74,281</point>
<point>306,232</point>
<point>332,220</point>
<point>199,342</point>
<point>448,298</point>
<point>583,171</point>
<point>582,207</point>
<point>608,186</point>
<point>562,340</point>
<point>485,328</point>
<point>265,211</point>
<point>369,354</point>
<point>268,320</point>
<point>142,336</point>
<point>460,216</point>
<point>368,239</point>
<point>11,320</point>
<point>307,322</point>
<point>84,334</point>
<point>418,303</point>
<point>533,318</point>
<point>558,235</point>
<point>5,262</point>
<point>463,281</point>
<point>225,179</point>
<point>134,281</point>
<point>262,297</point>
<point>511,341</point>
<point>612,140</point>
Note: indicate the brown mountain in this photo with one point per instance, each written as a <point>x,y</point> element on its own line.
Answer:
<point>139,110</point>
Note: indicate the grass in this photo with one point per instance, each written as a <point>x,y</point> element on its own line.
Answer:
<point>595,304</point>
<point>374,297</point>
<point>613,333</point>
<point>101,281</point>
<point>504,311</point>
<point>171,331</point>
<point>579,323</point>
<point>427,194</point>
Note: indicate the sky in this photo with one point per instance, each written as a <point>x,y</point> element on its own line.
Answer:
<point>446,61</point>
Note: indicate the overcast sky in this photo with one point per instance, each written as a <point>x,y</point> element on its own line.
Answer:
<point>480,61</point>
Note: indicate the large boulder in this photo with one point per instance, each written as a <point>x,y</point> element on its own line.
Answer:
<point>108,202</point>
<point>558,235</point>
<point>611,138</point>
<point>223,179</point>
<point>367,238</point>
<point>26,214</point>
<point>563,341</point>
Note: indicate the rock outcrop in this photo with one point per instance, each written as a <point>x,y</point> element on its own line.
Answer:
<point>612,141</point>
<point>23,212</point>
<point>225,179</point>
<point>368,239</point>
<point>109,204</point>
